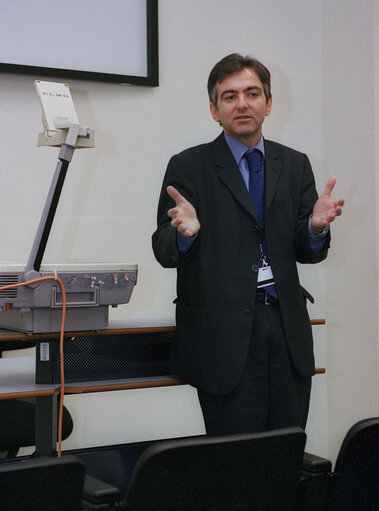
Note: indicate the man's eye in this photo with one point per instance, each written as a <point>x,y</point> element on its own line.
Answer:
<point>230,97</point>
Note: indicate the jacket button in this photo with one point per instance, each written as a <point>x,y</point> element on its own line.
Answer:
<point>255,268</point>
<point>249,310</point>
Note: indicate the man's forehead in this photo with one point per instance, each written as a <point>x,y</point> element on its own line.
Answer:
<point>245,78</point>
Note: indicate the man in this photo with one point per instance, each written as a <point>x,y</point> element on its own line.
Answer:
<point>243,336</point>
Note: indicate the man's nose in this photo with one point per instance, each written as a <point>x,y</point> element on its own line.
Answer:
<point>241,101</point>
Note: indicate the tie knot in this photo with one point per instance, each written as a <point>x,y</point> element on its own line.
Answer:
<point>254,160</point>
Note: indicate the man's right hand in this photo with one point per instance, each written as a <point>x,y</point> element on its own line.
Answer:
<point>183,215</point>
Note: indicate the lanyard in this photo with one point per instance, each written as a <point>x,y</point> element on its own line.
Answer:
<point>263,259</point>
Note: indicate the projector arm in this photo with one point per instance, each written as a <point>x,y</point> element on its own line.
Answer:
<point>65,156</point>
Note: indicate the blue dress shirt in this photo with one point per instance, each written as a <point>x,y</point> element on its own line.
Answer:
<point>238,150</point>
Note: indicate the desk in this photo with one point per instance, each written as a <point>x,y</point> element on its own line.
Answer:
<point>17,381</point>
<point>17,376</point>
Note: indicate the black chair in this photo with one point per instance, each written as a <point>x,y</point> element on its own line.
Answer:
<point>355,480</point>
<point>354,483</point>
<point>41,484</point>
<point>259,472</point>
<point>17,425</point>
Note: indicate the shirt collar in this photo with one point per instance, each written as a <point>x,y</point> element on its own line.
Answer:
<point>239,149</point>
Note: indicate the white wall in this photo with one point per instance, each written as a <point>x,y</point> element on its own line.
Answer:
<point>376,138</point>
<point>351,274</point>
<point>321,55</point>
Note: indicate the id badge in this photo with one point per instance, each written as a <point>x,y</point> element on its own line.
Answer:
<point>265,277</point>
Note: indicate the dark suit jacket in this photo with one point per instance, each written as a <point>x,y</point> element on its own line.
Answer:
<point>217,277</point>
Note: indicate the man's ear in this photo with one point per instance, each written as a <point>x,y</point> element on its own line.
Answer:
<point>214,112</point>
<point>269,106</point>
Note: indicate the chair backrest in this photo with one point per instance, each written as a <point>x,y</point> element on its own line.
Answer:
<point>355,482</point>
<point>48,484</point>
<point>17,424</point>
<point>233,473</point>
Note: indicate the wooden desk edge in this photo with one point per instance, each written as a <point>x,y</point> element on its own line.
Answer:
<point>92,387</point>
<point>69,389</point>
<point>30,393</point>
<point>318,321</point>
<point>20,336</point>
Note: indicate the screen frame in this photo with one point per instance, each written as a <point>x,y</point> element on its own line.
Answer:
<point>152,76</point>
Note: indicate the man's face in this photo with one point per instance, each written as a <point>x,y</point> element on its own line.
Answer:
<point>241,106</point>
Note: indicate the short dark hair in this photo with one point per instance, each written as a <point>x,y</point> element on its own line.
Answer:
<point>233,63</point>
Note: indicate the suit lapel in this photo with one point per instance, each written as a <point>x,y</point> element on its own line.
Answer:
<point>272,172</point>
<point>229,173</point>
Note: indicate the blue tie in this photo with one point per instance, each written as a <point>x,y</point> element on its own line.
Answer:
<point>256,191</point>
<point>256,184</point>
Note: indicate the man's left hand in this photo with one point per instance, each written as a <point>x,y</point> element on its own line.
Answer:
<point>325,210</point>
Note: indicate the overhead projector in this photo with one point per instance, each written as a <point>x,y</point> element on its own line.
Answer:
<point>90,288</point>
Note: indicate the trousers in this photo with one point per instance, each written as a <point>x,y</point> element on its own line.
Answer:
<point>270,395</point>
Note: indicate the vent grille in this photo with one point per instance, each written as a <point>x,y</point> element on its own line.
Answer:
<point>7,279</point>
<point>112,357</point>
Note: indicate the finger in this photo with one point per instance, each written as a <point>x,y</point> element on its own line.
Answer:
<point>172,212</point>
<point>176,216</point>
<point>179,225</point>
<point>176,222</point>
<point>174,194</point>
<point>340,203</point>
<point>337,211</point>
<point>329,186</point>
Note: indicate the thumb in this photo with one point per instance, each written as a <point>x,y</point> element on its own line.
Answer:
<point>175,195</point>
<point>329,186</point>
